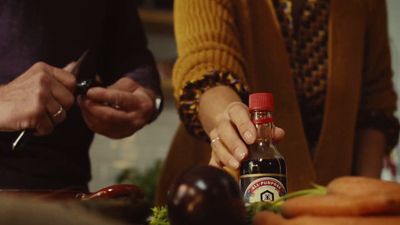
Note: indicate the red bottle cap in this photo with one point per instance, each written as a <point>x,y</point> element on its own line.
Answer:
<point>261,101</point>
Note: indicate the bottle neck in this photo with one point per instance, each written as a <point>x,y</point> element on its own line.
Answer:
<point>263,121</point>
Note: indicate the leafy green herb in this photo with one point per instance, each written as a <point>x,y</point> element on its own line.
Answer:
<point>160,216</point>
<point>317,190</point>
<point>276,206</point>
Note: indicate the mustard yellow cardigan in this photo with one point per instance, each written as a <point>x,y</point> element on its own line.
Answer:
<point>244,37</point>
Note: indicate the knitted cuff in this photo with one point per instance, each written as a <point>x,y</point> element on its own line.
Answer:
<point>189,98</point>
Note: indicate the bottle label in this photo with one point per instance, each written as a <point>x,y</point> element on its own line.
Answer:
<point>264,189</point>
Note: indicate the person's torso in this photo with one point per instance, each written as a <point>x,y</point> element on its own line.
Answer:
<point>268,68</point>
<point>55,32</point>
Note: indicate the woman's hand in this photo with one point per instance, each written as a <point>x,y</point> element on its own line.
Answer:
<point>232,132</point>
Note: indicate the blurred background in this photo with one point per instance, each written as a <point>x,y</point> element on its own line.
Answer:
<point>138,158</point>
<point>394,38</point>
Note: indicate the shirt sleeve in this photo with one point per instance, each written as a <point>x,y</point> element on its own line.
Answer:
<point>378,102</point>
<point>209,54</point>
<point>123,49</point>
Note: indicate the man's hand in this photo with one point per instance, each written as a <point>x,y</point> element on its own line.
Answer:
<point>37,99</point>
<point>119,110</point>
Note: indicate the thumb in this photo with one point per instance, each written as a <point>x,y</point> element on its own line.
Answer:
<point>70,66</point>
<point>279,134</point>
<point>125,84</point>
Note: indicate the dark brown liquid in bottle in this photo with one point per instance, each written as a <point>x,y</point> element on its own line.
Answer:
<point>263,172</point>
<point>275,168</point>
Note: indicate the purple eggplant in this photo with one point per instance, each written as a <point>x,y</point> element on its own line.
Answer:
<point>206,195</point>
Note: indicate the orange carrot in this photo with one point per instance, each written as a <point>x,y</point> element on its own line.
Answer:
<point>268,218</point>
<point>379,220</point>
<point>362,186</point>
<point>335,205</point>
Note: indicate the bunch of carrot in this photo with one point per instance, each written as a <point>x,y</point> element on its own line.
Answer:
<point>348,201</point>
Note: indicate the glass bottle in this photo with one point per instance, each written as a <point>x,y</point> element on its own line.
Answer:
<point>263,171</point>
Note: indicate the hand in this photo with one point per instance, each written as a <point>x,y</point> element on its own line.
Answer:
<point>37,99</point>
<point>233,129</point>
<point>119,110</point>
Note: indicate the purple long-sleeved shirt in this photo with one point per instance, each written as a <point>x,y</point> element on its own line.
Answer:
<point>58,32</point>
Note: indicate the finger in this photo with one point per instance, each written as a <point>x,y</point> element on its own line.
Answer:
<point>118,99</point>
<point>222,154</point>
<point>64,77</point>
<point>57,81</point>
<point>104,120</point>
<point>87,116</point>
<point>55,111</point>
<point>104,113</point>
<point>92,121</point>
<point>125,84</point>
<point>279,134</point>
<point>231,140</point>
<point>45,126</point>
<point>239,114</point>
<point>61,94</point>
<point>213,161</point>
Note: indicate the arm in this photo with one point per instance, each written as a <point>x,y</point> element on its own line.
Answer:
<point>371,151</point>
<point>378,129</point>
<point>129,68</point>
<point>209,78</point>
<point>123,51</point>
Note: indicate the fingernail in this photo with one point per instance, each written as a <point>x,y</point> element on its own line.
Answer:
<point>240,153</point>
<point>248,136</point>
<point>233,163</point>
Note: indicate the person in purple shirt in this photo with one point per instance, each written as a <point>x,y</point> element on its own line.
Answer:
<point>39,42</point>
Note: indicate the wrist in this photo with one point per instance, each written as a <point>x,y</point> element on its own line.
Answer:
<point>213,105</point>
<point>157,102</point>
<point>190,95</point>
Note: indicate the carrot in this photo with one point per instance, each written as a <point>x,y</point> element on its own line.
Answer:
<point>344,221</point>
<point>336,205</point>
<point>268,218</point>
<point>362,186</point>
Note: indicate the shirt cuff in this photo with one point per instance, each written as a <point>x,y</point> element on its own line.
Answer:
<point>189,98</point>
<point>148,77</point>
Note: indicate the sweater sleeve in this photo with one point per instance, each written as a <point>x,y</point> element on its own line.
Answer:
<point>378,101</point>
<point>123,48</point>
<point>209,54</point>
